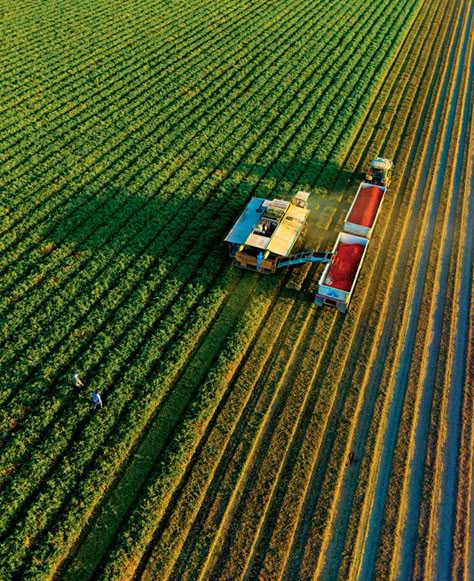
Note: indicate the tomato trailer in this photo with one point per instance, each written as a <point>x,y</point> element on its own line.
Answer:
<point>337,283</point>
<point>363,213</point>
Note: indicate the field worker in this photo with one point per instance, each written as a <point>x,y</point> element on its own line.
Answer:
<point>76,381</point>
<point>96,400</point>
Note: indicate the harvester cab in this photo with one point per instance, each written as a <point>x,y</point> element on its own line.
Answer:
<point>265,235</point>
<point>301,200</point>
<point>380,172</point>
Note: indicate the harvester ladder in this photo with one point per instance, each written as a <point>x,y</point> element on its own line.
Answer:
<point>302,257</point>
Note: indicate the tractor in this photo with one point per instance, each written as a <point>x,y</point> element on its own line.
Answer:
<point>380,172</point>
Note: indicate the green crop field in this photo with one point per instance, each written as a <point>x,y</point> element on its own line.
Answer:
<point>133,134</point>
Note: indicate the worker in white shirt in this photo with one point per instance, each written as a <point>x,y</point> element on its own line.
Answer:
<point>96,400</point>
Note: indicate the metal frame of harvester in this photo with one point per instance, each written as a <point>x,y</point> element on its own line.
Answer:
<point>266,233</point>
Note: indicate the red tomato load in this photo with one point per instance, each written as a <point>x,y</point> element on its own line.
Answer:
<point>344,266</point>
<point>366,206</point>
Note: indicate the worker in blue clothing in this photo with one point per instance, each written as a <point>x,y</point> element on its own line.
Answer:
<point>96,400</point>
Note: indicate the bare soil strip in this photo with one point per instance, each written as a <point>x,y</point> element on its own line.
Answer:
<point>413,480</point>
<point>332,551</point>
<point>442,531</point>
<point>389,432</point>
<point>463,541</point>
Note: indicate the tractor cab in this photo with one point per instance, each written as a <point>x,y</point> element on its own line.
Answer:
<point>380,172</point>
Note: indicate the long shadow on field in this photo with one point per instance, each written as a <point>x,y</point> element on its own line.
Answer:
<point>284,173</point>
<point>120,221</point>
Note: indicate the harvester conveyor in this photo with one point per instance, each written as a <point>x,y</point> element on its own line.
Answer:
<point>302,257</point>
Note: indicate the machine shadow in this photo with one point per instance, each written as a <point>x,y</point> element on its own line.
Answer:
<point>122,222</point>
<point>316,173</point>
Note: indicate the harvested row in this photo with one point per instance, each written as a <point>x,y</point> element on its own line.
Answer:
<point>464,520</point>
<point>366,552</point>
<point>403,233</point>
<point>269,399</point>
<point>451,154</point>
<point>434,545</point>
<point>369,377</point>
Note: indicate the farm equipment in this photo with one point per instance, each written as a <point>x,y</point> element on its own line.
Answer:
<point>339,278</point>
<point>337,283</point>
<point>364,210</point>
<point>267,231</point>
<point>380,172</point>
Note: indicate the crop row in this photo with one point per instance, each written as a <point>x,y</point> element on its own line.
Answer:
<point>119,95</point>
<point>125,493</point>
<point>145,216</point>
<point>127,412</point>
<point>148,105</point>
<point>75,225</point>
<point>104,46</point>
<point>144,341</point>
